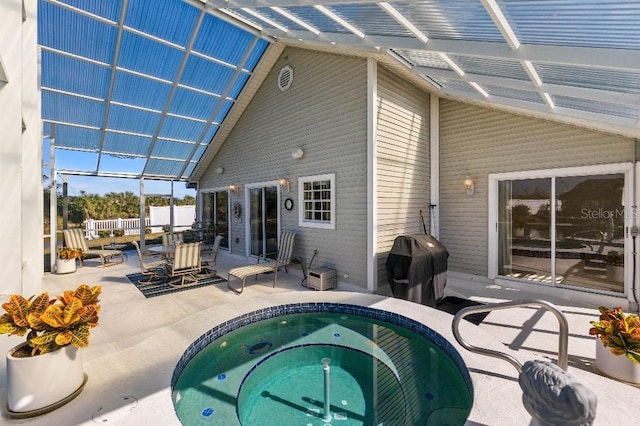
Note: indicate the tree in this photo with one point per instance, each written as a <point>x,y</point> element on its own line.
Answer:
<point>109,206</point>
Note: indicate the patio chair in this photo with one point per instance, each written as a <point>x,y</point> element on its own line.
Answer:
<point>184,265</point>
<point>74,238</point>
<point>208,257</point>
<point>285,253</point>
<point>178,237</point>
<point>151,266</point>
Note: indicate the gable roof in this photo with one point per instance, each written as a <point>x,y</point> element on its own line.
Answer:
<point>150,88</point>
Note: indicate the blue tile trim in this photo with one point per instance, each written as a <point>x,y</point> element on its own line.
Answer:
<point>319,307</point>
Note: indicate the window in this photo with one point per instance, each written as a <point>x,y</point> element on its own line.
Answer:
<point>316,201</point>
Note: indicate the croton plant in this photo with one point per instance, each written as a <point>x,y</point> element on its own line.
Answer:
<point>70,253</point>
<point>50,324</point>
<point>618,331</point>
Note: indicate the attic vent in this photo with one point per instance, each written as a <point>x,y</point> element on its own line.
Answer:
<point>285,78</point>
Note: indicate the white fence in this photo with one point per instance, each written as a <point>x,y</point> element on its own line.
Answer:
<point>183,217</point>
<point>159,217</point>
<point>129,226</point>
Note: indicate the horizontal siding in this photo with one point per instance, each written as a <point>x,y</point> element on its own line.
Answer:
<point>477,142</point>
<point>324,113</point>
<point>403,164</point>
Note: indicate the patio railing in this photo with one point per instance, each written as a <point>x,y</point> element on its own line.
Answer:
<point>130,226</point>
<point>563,334</point>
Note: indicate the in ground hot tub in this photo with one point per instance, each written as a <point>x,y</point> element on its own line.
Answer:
<point>319,364</point>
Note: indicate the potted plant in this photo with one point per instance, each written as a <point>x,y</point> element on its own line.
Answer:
<point>66,259</point>
<point>520,215</point>
<point>45,371</point>
<point>615,266</point>
<point>620,333</point>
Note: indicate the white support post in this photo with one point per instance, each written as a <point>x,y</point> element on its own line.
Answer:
<point>172,222</point>
<point>53,202</point>
<point>142,215</point>
<point>372,173</point>
<point>434,139</point>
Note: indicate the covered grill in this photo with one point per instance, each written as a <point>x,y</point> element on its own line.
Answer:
<point>417,269</point>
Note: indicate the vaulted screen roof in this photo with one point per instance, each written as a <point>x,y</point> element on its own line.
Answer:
<point>141,87</point>
<point>138,87</point>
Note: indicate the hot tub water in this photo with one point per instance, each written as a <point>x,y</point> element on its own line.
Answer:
<point>272,369</point>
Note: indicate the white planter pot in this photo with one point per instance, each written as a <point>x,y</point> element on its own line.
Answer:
<point>39,384</point>
<point>615,273</point>
<point>65,266</point>
<point>617,367</point>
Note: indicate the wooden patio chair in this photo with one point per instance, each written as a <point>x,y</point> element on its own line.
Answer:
<point>184,265</point>
<point>74,238</point>
<point>285,254</point>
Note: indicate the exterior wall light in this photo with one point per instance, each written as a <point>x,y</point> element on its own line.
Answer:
<point>469,185</point>
<point>284,185</point>
<point>234,189</point>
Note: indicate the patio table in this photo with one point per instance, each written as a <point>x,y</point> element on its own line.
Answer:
<point>163,250</point>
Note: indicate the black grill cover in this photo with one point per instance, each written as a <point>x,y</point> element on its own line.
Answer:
<point>417,269</point>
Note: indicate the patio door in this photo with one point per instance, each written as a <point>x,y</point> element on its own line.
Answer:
<point>215,215</point>
<point>263,220</point>
<point>565,229</point>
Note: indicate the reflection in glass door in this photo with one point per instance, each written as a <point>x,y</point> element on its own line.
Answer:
<point>564,230</point>
<point>215,216</point>
<point>590,231</point>
<point>524,229</point>
<point>263,221</point>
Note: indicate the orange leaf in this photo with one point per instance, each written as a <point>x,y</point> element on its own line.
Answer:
<point>64,338</point>
<point>53,316</point>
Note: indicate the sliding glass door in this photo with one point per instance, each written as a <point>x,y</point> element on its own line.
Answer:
<point>215,216</point>
<point>563,230</point>
<point>263,221</point>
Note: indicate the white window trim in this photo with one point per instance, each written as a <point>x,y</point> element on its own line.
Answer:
<point>494,179</point>
<point>331,177</point>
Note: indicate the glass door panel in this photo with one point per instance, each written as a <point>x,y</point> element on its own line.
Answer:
<point>256,221</point>
<point>215,217</point>
<point>524,237</point>
<point>271,222</point>
<point>263,216</point>
<point>222,217</point>
<point>208,208</point>
<point>590,232</point>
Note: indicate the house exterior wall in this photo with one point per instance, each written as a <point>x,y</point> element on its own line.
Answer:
<point>403,163</point>
<point>476,142</point>
<point>324,113</point>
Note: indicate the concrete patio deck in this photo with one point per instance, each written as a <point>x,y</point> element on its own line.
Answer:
<point>139,341</point>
